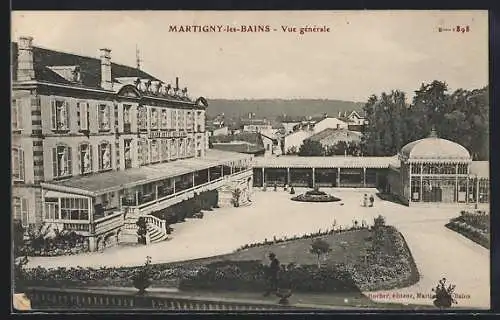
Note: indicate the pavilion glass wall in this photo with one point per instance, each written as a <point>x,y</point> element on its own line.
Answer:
<point>325,177</point>
<point>351,177</point>
<point>371,180</point>
<point>275,176</point>
<point>301,177</point>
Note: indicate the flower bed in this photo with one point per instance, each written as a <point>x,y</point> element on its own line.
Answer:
<point>250,276</point>
<point>393,269</point>
<point>315,196</point>
<point>477,235</point>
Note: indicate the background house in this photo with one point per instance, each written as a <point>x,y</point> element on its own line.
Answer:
<point>245,142</point>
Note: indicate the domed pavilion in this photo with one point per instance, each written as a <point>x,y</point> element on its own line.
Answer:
<point>433,170</point>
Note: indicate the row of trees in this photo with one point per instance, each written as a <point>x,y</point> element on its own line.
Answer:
<point>315,148</point>
<point>461,116</point>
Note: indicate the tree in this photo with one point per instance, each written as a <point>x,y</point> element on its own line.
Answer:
<point>462,117</point>
<point>141,230</point>
<point>319,248</point>
<point>311,148</point>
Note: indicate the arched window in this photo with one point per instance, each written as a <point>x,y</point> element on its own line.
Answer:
<point>17,164</point>
<point>104,155</point>
<point>85,158</point>
<point>61,161</point>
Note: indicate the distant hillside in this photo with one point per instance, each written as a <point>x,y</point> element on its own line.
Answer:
<point>271,108</point>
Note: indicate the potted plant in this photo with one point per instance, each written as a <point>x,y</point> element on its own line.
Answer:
<point>443,296</point>
<point>292,190</point>
<point>236,197</point>
<point>142,278</point>
<point>275,186</point>
<point>283,294</point>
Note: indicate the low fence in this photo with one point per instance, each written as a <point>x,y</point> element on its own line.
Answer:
<point>74,299</point>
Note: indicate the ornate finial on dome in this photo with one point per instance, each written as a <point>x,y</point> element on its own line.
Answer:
<point>433,133</point>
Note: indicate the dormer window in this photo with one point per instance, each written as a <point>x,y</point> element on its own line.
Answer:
<point>77,75</point>
<point>69,73</point>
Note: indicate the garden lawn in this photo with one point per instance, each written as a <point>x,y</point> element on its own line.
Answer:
<point>297,251</point>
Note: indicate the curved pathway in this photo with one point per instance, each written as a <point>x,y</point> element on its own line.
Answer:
<point>438,252</point>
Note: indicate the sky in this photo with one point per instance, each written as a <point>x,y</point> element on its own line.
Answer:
<point>364,52</point>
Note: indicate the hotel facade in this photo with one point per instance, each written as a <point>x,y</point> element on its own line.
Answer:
<point>95,145</point>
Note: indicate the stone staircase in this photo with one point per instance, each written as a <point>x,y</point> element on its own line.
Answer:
<point>155,232</point>
<point>155,235</point>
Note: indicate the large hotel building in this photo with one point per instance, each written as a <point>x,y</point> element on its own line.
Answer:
<point>96,144</point>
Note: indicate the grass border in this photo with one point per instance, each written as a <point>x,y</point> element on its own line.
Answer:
<point>483,242</point>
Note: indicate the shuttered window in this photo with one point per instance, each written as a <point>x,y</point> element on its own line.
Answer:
<point>17,119</point>
<point>17,164</point>
<point>83,115</point>
<point>85,158</point>
<point>105,156</point>
<point>61,161</point>
<point>20,210</point>
<point>60,115</point>
<point>104,117</point>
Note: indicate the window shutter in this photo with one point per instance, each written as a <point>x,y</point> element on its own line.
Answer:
<point>87,115</point>
<point>21,163</point>
<point>108,108</point>
<point>19,108</point>
<point>53,122</point>
<point>24,212</point>
<point>54,162</point>
<point>83,116</point>
<point>79,159</point>
<point>14,114</point>
<point>66,111</point>
<point>69,164</point>
<point>91,153</point>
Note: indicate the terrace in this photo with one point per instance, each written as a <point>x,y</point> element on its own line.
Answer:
<point>84,203</point>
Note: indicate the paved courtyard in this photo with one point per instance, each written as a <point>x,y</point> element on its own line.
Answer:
<point>438,252</point>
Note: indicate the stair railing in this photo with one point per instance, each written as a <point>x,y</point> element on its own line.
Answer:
<point>157,223</point>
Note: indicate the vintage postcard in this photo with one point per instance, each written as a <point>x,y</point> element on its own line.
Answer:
<point>250,161</point>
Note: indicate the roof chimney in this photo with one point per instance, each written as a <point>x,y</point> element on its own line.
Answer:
<point>176,83</point>
<point>106,82</point>
<point>25,70</point>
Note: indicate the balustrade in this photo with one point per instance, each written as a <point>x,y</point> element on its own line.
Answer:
<point>56,298</point>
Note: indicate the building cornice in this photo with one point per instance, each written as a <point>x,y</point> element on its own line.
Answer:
<point>112,94</point>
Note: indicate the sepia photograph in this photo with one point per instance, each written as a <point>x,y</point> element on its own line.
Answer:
<point>250,161</point>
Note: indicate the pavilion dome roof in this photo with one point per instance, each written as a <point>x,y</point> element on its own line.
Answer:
<point>434,148</point>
